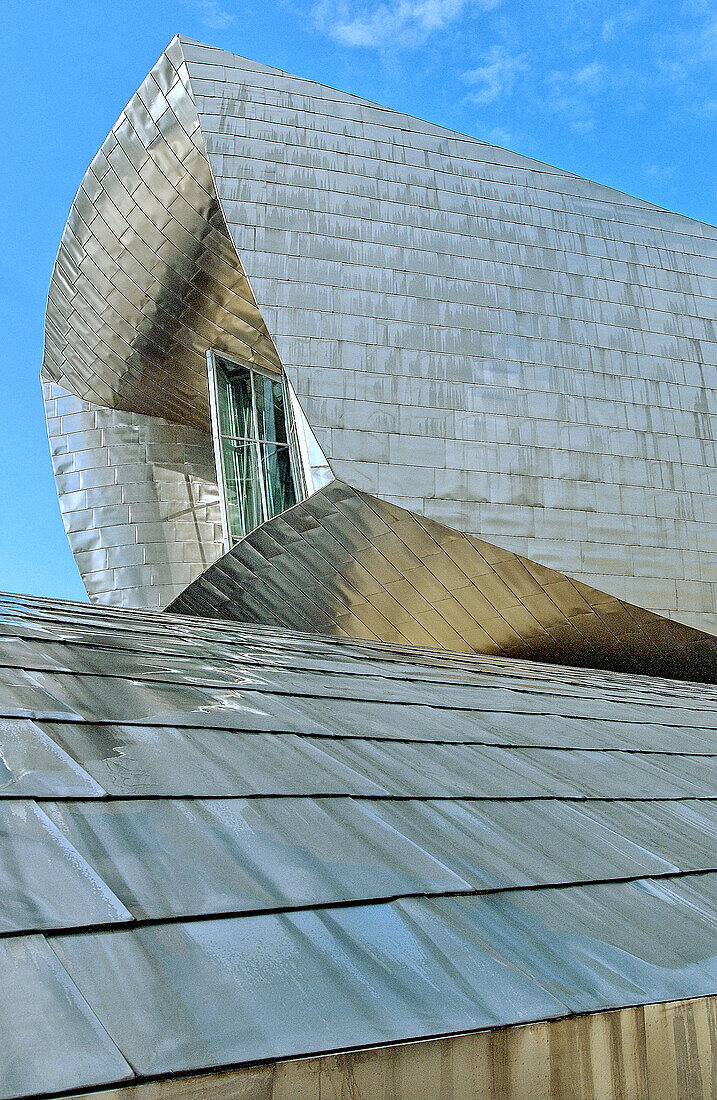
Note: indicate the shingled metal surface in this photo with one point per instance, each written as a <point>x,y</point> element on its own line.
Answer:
<point>345,563</point>
<point>222,844</point>
<point>485,340</point>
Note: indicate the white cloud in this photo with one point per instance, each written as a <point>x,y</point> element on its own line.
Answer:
<point>495,135</point>
<point>402,23</point>
<point>615,25</point>
<point>660,173</point>
<point>590,76</point>
<point>582,125</point>
<point>586,80</point>
<point>571,92</point>
<point>496,76</point>
<point>689,52</point>
<point>213,15</point>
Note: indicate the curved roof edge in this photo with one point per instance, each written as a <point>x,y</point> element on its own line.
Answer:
<point>146,277</point>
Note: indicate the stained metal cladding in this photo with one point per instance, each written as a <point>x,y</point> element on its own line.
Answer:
<point>146,280</point>
<point>482,339</point>
<point>346,563</point>
<point>146,277</point>
<point>223,844</point>
<point>642,1052</point>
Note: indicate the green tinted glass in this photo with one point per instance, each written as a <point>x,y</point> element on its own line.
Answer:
<point>234,401</point>
<point>242,486</point>
<point>253,443</point>
<point>271,420</point>
<point>276,464</point>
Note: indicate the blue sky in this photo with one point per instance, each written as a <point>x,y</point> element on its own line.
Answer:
<point>621,92</point>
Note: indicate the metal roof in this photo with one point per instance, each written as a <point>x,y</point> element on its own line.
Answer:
<point>222,844</point>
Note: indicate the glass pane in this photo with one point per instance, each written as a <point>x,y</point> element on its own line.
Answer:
<point>234,401</point>
<point>276,465</point>
<point>254,428</point>
<point>270,409</point>
<point>243,490</point>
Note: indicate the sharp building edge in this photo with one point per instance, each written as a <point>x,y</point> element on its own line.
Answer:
<point>383,761</point>
<point>228,844</point>
<point>482,339</point>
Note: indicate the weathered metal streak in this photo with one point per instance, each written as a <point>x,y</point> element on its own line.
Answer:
<point>653,1052</point>
<point>489,342</point>
<point>483,339</point>
<point>346,563</point>
<point>146,277</point>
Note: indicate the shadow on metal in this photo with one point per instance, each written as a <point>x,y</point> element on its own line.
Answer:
<point>147,277</point>
<point>345,563</point>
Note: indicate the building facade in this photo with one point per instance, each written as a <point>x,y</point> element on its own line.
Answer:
<point>483,340</point>
<point>383,761</point>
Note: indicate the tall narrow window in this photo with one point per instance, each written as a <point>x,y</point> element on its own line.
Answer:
<point>252,441</point>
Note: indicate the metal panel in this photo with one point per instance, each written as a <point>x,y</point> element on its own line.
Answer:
<point>496,345</point>
<point>513,903</point>
<point>217,992</point>
<point>666,1051</point>
<point>23,695</point>
<point>195,298</point>
<point>498,844</point>
<point>597,948</point>
<point>114,698</point>
<point>422,583</point>
<point>593,948</point>
<point>51,1040</point>
<point>44,880</point>
<point>149,760</point>
<point>161,473</point>
<point>31,763</point>
<point>525,353</point>
<point>178,858</point>
<point>146,280</point>
<point>683,832</point>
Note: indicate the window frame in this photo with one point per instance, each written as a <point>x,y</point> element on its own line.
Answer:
<point>296,458</point>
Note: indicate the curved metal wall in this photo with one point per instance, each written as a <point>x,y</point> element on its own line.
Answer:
<point>146,280</point>
<point>146,277</point>
<point>345,563</point>
<point>479,338</point>
<point>506,348</point>
<point>138,496</point>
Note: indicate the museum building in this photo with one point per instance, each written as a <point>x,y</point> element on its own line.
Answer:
<point>382,763</point>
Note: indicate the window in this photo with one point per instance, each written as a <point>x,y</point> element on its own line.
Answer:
<point>251,417</point>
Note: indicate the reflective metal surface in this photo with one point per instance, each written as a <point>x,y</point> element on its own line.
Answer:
<point>51,1039</point>
<point>224,842</point>
<point>180,857</point>
<point>292,844</point>
<point>147,760</point>
<point>486,340</point>
<point>493,843</point>
<point>145,281</point>
<point>641,1053</point>
<point>489,342</point>
<point>147,278</point>
<point>346,563</point>
<point>31,763</point>
<point>138,496</point>
<point>44,881</point>
<point>269,986</point>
